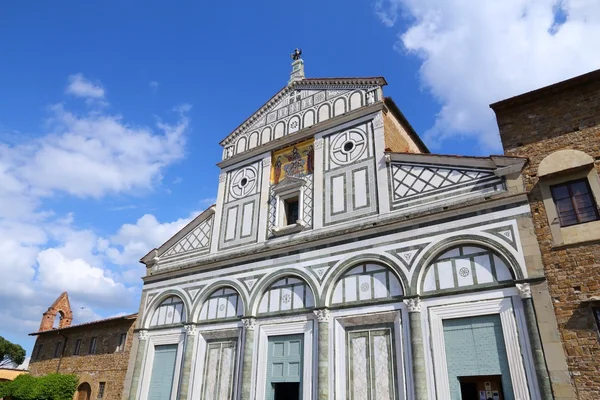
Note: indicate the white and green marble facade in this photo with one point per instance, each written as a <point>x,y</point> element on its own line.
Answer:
<point>397,243</point>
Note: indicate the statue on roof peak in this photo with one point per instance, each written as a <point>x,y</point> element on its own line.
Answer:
<point>296,54</point>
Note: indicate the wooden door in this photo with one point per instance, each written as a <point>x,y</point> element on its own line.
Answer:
<point>284,362</point>
<point>84,391</point>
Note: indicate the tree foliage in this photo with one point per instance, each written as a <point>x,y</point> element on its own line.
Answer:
<point>11,353</point>
<point>49,387</point>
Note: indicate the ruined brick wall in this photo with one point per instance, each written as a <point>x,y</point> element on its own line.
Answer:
<point>555,120</point>
<point>107,365</point>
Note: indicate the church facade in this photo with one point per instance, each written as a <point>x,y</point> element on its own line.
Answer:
<point>342,260</point>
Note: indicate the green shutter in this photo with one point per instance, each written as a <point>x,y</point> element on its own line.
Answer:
<point>284,362</point>
<point>163,372</point>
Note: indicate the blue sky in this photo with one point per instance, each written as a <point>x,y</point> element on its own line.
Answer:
<point>111,112</point>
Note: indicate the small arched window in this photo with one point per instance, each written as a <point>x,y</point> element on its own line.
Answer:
<point>465,266</point>
<point>285,295</point>
<point>170,311</point>
<point>366,282</point>
<point>222,303</point>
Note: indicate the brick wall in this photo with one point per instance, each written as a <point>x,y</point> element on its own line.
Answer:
<point>106,365</point>
<point>564,116</point>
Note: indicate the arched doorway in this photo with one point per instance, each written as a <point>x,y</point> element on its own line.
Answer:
<point>84,391</point>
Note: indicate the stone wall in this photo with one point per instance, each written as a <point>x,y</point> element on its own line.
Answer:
<point>107,365</point>
<point>534,125</point>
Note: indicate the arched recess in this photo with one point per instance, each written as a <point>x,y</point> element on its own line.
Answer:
<point>324,112</point>
<point>309,119</point>
<point>223,303</point>
<point>158,301</point>
<point>356,100</point>
<point>240,147</point>
<point>297,284</point>
<point>279,130</point>
<point>366,282</point>
<point>433,254</point>
<point>265,136</point>
<point>84,391</point>
<point>253,142</point>
<point>348,264</point>
<point>339,107</point>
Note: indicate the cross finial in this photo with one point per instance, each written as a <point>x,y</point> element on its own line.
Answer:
<point>296,54</point>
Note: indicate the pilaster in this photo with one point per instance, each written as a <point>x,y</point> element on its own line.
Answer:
<point>190,339</point>
<point>249,325</point>
<point>417,351</point>
<point>139,358</point>
<point>323,354</point>
<point>383,191</point>
<point>541,370</point>
<point>263,218</point>
<point>214,245</point>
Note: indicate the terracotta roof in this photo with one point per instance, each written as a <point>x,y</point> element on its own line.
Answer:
<point>546,90</point>
<point>100,321</point>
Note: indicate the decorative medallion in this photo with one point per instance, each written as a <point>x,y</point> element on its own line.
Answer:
<point>348,147</point>
<point>464,271</point>
<point>243,182</point>
<point>286,298</point>
<point>170,314</point>
<point>364,287</point>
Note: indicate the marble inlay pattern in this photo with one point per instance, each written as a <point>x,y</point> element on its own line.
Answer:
<point>359,365</point>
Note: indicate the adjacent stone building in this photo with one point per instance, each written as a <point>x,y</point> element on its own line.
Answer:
<point>97,351</point>
<point>558,129</point>
<point>342,260</point>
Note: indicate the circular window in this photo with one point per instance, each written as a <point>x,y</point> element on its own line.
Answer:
<point>348,146</point>
<point>244,182</point>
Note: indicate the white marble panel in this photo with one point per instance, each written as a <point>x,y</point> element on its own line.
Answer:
<point>262,308</point>
<point>381,365</point>
<point>274,299</point>
<point>338,197</point>
<point>231,223</point>
<point>379,285</point>
<point>502,271</point>
<point>350,292</point>
<point>360,188</point>
<point>445,275</point>
<point>247,221</point>
<point>221,307</point>
<point>212,372</point>
<point>484,269</point>
<point>227,368</point>
<point>464,274</point>
<point>364,287</point>
<point>337,295</point>
<point>429,282</point>
<point>286,299</point>
<point>355,100</point>
<point>359,365</point>
<point>339,107</point>
<point>395,286</point>
<point>297,294</point>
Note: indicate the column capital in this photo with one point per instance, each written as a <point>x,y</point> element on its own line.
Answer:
<point>266,162</point>
<point>191,329</point>
<point>414,304</point>
<point>249,323</point>
<point>322,314</point>
<point>524,290</point>
<point>143,334</point>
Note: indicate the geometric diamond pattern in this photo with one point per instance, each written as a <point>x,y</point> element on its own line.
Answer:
<point>409,180</point>
<point>308,201</point>
<point>196,239</point>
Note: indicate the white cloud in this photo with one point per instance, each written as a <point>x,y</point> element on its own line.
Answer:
<point>94,154</point>
<point>79,86</point>
<point>474,53</point>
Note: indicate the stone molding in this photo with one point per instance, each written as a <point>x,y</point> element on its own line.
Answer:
<point>414,305</point>
<point>143,334</point>
<point>249,323</point>
<point>318,143</point>
<point>266,162</point>
<point>322,314</point>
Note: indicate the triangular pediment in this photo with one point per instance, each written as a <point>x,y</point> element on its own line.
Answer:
<point>300,105</point>
<point>194,237</point>
<point>290,182</point>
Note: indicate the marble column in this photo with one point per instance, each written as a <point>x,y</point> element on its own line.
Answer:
<point>323,354</point>
<point>190,336</point>
<point>416,343</point>
<point>137,367</point>
<point>249,324</point>
<point>539,361</point>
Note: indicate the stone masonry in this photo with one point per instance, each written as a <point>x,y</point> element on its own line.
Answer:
<point>533,125</point>
<point>108,364</point>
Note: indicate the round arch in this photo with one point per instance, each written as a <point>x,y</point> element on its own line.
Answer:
<point>435,250</point>
<point>84,391</point>
<point>274,277</point>
<point>162,297</point>
<point>345,265</point>
<point>210,289</point>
